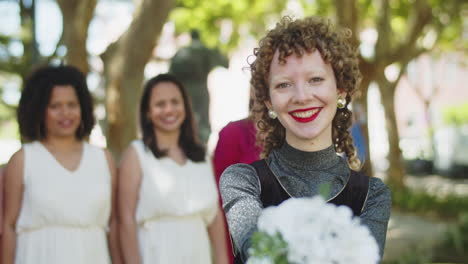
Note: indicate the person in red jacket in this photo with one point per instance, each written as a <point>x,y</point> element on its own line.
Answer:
<point>236,144</point>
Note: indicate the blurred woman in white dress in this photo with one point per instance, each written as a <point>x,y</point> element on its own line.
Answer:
<point>58,188</point>
<point>168,201</point>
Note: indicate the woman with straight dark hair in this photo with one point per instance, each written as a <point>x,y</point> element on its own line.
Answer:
<point>59,190</point>
<point>168,199</point>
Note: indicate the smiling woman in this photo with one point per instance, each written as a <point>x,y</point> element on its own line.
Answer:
<point>304,76</point>
<point>166,108</point>
<point>168,198</point>
<point>303,90</point>
<point>59,190</point>
<point>63,114</point>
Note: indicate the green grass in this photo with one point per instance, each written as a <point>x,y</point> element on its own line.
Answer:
<point>415,201</point>
<point>452,208</point>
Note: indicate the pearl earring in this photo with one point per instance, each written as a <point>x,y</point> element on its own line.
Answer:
<point>272,114</point>
<point>341,102</point>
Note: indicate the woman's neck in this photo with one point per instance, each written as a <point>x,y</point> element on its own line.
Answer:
<point>312,145</point>
<point>170,143</point>
<point>62,144</point>
<point>318,160</point>
<point>167,141</point>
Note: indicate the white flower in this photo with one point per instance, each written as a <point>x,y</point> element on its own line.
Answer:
<point>263,260</point>
<point>317,232</point>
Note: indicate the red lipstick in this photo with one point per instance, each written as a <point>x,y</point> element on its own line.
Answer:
<point>305,119</point>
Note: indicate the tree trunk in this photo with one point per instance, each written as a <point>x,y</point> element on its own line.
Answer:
<point>362,100</point>
<point>347,15</point>
<point>76,16</point>
<point>427,100</point>
<point>368,71</point>
<point>396,170</point>
<point>124,64</point>
<point>430,127</point>
<point>31,55</point>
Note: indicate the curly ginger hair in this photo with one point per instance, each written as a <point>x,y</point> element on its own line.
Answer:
<point>297,37</point>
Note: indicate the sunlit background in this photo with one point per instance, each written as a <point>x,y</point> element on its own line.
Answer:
<point>430,103</point>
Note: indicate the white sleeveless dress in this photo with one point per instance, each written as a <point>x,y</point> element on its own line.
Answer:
<point>176,204</point>
<point>64,215</point>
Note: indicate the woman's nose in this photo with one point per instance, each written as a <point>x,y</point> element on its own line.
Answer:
<point>66,110</point>
<point>302,93</point>
<point>168,108</point>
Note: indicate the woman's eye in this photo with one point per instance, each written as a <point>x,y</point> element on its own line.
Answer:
<point>316,79</point>
<point>282,85</point>
<point>73,105</point>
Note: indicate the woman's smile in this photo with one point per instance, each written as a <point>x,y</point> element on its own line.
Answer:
<point>305,115</point>
<point>166,108</point>
<point>169,119</point>
<point>303,94</point>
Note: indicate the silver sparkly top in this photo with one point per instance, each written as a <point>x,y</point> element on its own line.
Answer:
<point>301,173</point>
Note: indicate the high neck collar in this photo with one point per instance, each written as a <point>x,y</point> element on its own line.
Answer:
<point>315,160</point>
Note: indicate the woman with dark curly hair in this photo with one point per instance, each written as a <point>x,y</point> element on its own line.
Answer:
<point>168,200</point>
<point>59,190</point>
<point>304,75</point>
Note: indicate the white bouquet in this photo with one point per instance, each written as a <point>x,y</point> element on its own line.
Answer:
<point>309,230</point>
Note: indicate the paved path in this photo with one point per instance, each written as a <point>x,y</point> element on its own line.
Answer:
<point>409,232</point>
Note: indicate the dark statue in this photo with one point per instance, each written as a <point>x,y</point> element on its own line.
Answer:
<point>191,65</point>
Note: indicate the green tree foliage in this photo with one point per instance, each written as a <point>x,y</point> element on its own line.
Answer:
<point>246,17</point>
<point>456,115</point>
<point>19,52</point>
<point>404,30</point>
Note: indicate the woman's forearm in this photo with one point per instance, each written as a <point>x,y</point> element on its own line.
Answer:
<point>114,243</point>
<point>8,245</point>
<point>217,235</point>
<point>129,242</point>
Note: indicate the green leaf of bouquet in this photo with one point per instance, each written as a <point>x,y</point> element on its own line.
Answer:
<point>325,190</point>
<point>274,247</point>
